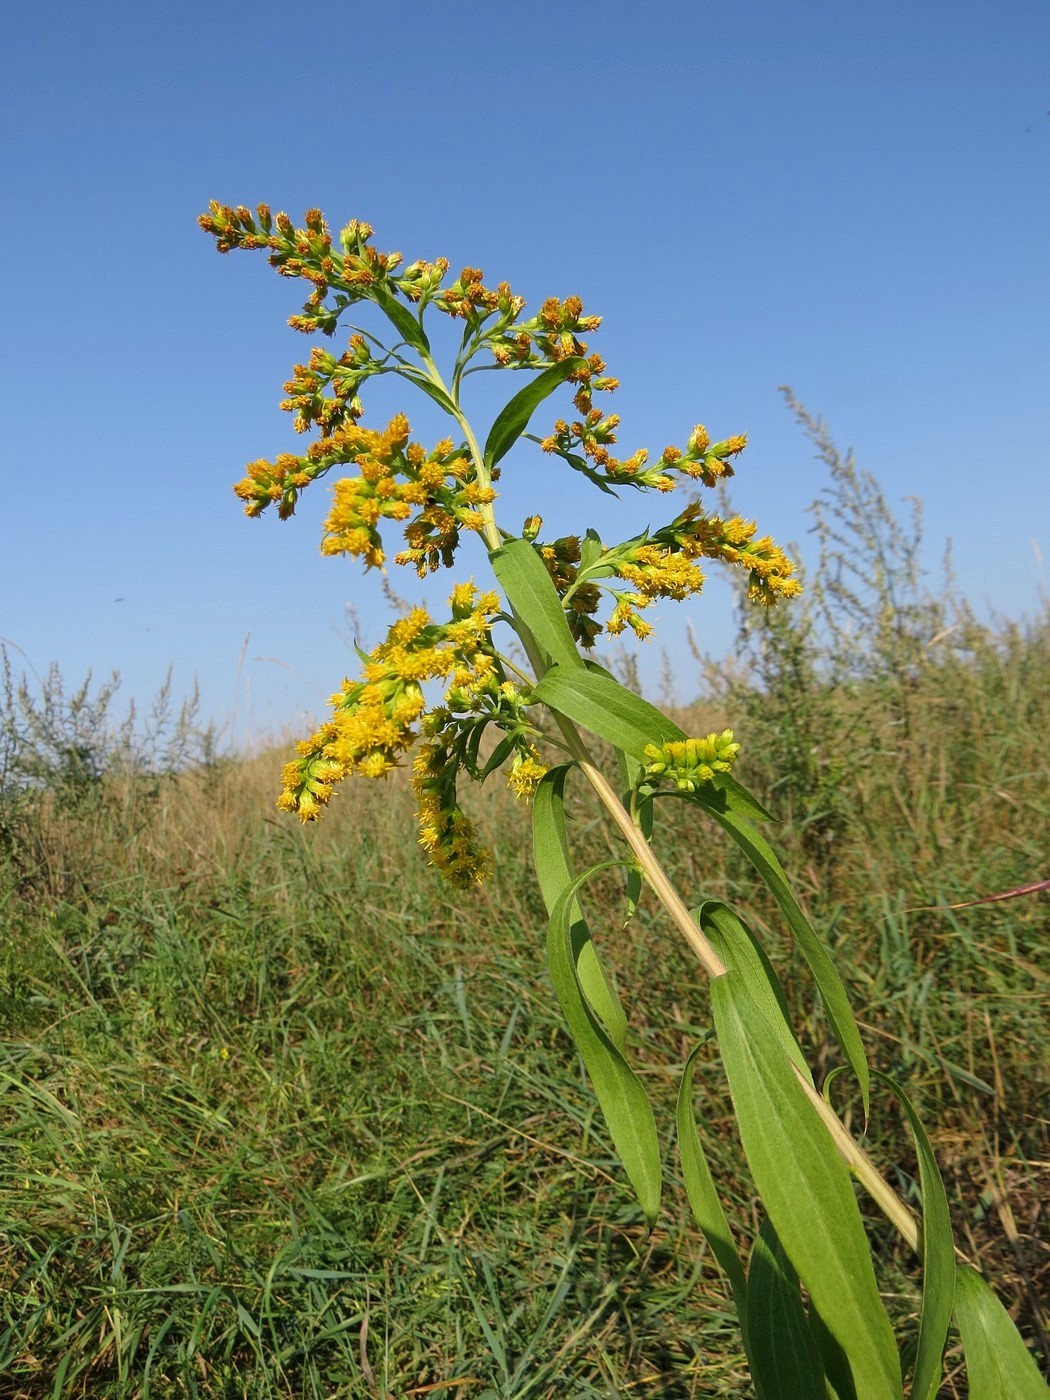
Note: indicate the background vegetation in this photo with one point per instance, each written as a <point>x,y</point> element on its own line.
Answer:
<point>280,1117</point>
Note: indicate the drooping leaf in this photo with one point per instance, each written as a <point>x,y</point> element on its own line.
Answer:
<point>825,974</point>
<point>619,1091</point>
<point>513,418</point>
<point>429,388</point>
<point>554,871</point>
<point>725,788</point>
<point>805,1189</point>
<point>998,1364</point>
<point>581,465</point>
<point>531,593</point>
<point>600,704</point>
<point>938,1258</point>
<point>782,1356</point>
<point>738,948</point>
<point>703,1194</point>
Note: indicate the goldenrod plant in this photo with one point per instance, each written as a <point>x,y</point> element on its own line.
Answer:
<point>502,681</point>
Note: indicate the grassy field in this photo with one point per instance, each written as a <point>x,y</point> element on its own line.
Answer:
<point>280,1116</point>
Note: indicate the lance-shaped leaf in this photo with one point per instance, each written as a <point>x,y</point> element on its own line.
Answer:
<point>781,1353</point>
<point>597,702</point>
<point>829,983</point>
<point>579,464</point>
<point>998,1364</point>
<point>429,388</point>
<point>408,327</point>
<point>805,1188</point>
<point>530,591</point>
<point>938,1258</point>
<point>738,948</point>
<point>703,1194</point>
<point>618,1089</point>
<point>554,871</point>
<point>513,418</point>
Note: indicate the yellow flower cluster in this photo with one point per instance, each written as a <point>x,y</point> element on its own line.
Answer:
<point>656,572</point>
<point>593,433</point>
<point>664,564</point>
<point>372,721</point>
<point>582,600</point>
<point>436,493</point>
<point>771,571</point>
<point>446,833</point>
<point>526,773</point>
<point>689,762</point>
<point>306,252</point>
<point>307,399</point>
<point>493,315</point>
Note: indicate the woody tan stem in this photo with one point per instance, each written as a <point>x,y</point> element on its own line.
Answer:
<point>856,1159</point>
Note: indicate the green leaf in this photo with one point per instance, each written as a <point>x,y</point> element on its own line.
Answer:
<point>618,1089</point>
<point>429,388</point>
<point>590,550</point>
<point>805,1188</point>
<point>406,323</point>
<point>837,1371</point>
<point>829,983</point>
<point>513,418</point>
<point>998,1364</point>
<point>500,753</point>
<point>938,1258</point>
<point>739,949</point>
<point>781,1353</point>
<point>581,465</point>
<point>721,793</point>
<point>735,797</point>
<point>599,703</point>
<point>703,1194</point>
<point>554,871</point>
<point>530,590</point>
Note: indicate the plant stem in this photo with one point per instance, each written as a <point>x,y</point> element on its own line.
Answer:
<point>856,1159</point>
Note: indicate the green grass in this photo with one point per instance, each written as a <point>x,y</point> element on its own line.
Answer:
<point>281,1116</point>
<point>302,1128</point>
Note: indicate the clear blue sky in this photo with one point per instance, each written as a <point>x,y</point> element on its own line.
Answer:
<point>853,199</point>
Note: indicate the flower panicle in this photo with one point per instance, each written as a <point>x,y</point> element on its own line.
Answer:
<point>585,444</point>
<point>662,564</point>
<point>771,572</point>
<point>436,496</point>
<point>373,720</point>
<point>446,833</point>
<point>351,269</point>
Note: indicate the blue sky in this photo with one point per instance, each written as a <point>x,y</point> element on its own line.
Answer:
<point>852,199</point>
